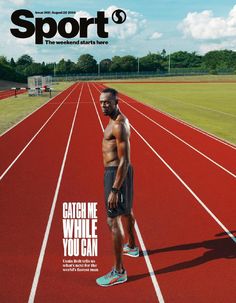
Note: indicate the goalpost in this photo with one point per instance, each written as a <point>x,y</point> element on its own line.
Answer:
<point>39,84</point>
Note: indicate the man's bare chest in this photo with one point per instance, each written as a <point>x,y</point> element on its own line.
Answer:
<point>108,135</point>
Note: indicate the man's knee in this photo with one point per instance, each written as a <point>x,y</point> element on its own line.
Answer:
<point>109,222</point>
<point>130,217</point>
<point>114,224</point>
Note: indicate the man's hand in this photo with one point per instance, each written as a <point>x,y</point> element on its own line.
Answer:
<point>113,200</point>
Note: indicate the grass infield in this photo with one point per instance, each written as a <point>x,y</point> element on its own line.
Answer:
<point>209,106</point>
<point>12,109</point>
<point>193,78</point>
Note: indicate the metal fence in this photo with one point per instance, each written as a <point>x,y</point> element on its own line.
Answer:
<point>136,75</point>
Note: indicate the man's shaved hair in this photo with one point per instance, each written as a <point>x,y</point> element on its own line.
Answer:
<point>112,91</point>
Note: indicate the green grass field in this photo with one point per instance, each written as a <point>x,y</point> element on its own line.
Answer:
<point>14,109</point>
<point>209,106</point>
<point>193,78</point>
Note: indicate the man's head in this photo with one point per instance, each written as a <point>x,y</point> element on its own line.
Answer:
<point>109,101</point>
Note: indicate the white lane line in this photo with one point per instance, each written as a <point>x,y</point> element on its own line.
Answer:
<point>13,126</point>
<point>178,138</point>
<point>223,141</point>
<point>46,235</point>
<point>187,187</point>
<point>198,129</point>
<point>145,254</point>
<point>31,140</point>
<point>198,106</point>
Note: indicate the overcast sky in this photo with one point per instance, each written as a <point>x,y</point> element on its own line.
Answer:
<point>151,25</point>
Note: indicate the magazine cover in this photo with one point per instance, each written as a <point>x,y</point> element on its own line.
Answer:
<point>117,123</point>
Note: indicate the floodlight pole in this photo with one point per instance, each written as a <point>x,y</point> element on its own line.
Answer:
<point>138,65</point>
<point>98,68</point>
<point>169,64</point>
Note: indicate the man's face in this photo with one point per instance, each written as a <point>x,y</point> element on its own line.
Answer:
<point>108,103</point>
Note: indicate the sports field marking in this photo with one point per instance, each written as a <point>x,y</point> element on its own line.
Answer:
<point>202,131</point>
<point>186,186</point>
<point>162,127</point>
<point>31,113</point>
<point>145,254</point>
<point>8,94</point>
<point>32,139</point>
<point>198,106</point>
<point>223,141</point>
<point>46,235</point>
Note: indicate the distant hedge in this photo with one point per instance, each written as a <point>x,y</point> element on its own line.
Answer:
<point>8,73</point>
<point>213,62</point>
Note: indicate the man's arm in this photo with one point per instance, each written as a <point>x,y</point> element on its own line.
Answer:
<point>123,151</point>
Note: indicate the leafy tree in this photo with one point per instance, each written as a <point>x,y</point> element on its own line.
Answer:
<point>33,69</point>
<point>12,62</point>
<point>61,67</point>
<point>49,68</point>
<point>71,67</point>
<point>115,64</point>
<point>182,59</point>
<point>152,62</point>
<point>66,67</point>
<point>3,60</point>
<point>87,64</point>
<point>163,53</point>
<point>223,59</point>
<point>24,60</point>
<point>105,65</point>
<point>128,64</point>
<point>8,73</point>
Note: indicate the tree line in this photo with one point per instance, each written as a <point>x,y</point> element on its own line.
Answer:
<point>161,62</point>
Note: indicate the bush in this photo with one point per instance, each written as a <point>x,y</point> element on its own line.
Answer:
<point>213,72</point>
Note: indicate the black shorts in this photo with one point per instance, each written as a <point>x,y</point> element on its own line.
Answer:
<point>125,200</point>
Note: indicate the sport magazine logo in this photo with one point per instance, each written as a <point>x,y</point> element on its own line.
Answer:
<point>48,27</point>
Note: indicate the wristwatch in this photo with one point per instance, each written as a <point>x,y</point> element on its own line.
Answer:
<point>114,190</point>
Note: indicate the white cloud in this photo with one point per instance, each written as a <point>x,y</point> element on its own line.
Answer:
<point>18,2</point>
<point>204,25</point>
<point>131,37</point>
<point>207,47</point>
<point>156,36</point>
<point>132,26</point>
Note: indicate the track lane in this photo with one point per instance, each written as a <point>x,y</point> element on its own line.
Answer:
<point>213,186</point>
<point>188,258</point>
<point>83,181</point>
<point>137,229</point>
<point>211,146</point>
<point>13,142</point>
<point>164,228</point>
<point>184,243</point>
<point>26,196</point>
<point>10,93</point>
<point>37,109</point>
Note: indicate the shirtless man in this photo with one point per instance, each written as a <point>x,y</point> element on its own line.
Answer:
<point>118,185</point>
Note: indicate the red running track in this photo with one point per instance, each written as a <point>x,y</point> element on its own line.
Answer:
<point>193,259</point>
<point>9,93</point>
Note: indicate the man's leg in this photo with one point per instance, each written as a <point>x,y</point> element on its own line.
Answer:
<point>118,274</point>
<point>129,221</point>
<point>116,228</point>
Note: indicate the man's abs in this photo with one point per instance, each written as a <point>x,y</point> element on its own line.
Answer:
<point>110,159</point>
<point>109,150</point>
